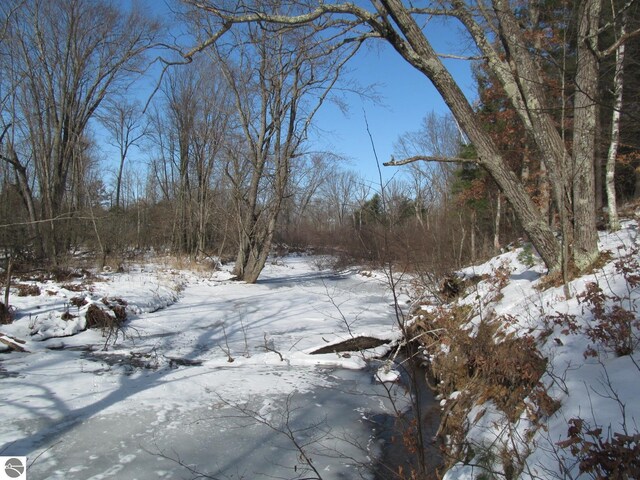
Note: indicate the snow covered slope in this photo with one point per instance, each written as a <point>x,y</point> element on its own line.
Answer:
<point>591,345</point>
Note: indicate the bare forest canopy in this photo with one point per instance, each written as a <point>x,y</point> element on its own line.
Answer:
<point>217,163</point>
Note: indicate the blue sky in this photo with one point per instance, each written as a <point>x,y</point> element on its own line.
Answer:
<point>405,97</point>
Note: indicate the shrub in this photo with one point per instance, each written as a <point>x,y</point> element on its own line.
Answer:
<point>614,324</point>
<point>78,301</point>
<point>502,368</point>
<point>616,456</point>
<point>473,355</point>
<point>28,290</point>
<point>508,371</point>
<point>526,256</point>
<point>109,319</point>
<point>100,318</point>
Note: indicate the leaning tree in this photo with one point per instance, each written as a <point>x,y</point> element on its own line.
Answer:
<point>503,41</point>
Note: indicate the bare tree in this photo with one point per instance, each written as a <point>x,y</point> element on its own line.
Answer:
<point>124,121</point>
<point>517,68</point>
<point>438,136</point>
<point>191,129</point>
<point>63,58</point>
<point>181,91</point>
<point>340,195</point>
<point>309,174</point>
<point>278,79</point>
<point>163,145</point>
<point>396,24</point>
<point>618,87</point>
<point>213,125</point>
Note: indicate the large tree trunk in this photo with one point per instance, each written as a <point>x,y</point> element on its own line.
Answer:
<point>24,189</point>
<point>255,257</point>
<point>423,57</point>
<point>258,225</point>
<point>256,238</point>
<point>585,248</point>
<point>250,232</point>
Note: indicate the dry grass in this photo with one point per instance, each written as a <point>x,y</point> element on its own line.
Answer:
<point>27,290</point>
<point>75,287</point>
<point>484,362</point>
<point>182,262</point>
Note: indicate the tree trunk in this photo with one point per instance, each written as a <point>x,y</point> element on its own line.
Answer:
<point>585,247</point>
<point>473,235</point>
<point>249,216</point>
<point>123,156</point>
<point>27,197</point>
<point>545,195</point>
<point>255,246</point>
<point>618,83</point>
<point>524,86</point>
<point>599,166</point>
<point>462,239</point>
<point>422,56</point>
<point>496,230</point>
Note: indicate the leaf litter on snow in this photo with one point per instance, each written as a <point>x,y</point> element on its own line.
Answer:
<point>591,385</point>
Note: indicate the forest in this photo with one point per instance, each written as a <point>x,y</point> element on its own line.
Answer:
<point>546,151</point>
<point>165,209</point>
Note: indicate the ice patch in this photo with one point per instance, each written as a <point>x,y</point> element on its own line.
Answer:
<point>386,373</point>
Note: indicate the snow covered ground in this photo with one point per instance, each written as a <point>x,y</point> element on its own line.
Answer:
<point>589,380</point>
<point>167,402</point>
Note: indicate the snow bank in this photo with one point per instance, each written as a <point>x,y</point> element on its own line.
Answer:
<point>585,378</point>
<point>61,312</point>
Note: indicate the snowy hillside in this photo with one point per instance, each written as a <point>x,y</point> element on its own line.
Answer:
<point>580,419</point>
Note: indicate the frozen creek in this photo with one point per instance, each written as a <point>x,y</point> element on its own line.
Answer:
<point>167,403</point>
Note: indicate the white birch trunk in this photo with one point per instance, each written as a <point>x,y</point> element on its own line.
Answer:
<point>618,82</point>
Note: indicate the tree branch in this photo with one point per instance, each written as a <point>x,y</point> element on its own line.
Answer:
<point>621,12</point>
<point>4,131</point>
<point>289,20</point>
<point>226,26</point>
<point>435,12</point>
<point>425,158</point>
<point>461,57</point>
<point>623,39</point>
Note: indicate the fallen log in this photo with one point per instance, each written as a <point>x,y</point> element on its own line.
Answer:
<point>352,345</point>
<point>13,343</point>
